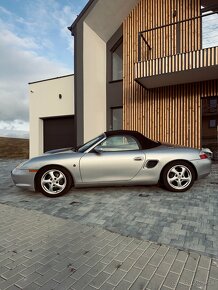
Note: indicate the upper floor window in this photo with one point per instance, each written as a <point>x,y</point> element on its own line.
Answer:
<point>117,61</point>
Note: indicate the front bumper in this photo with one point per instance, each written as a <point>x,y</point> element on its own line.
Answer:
<point>23,178</point>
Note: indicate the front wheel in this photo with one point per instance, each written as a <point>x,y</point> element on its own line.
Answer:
<point>178,176</point>
<point>53,181</point>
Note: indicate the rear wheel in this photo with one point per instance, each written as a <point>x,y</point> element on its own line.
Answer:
<point>53,181</point>
<point>178,176</point>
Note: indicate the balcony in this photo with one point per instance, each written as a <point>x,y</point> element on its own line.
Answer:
<point>178,53</point>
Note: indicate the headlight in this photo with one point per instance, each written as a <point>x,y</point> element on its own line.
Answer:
<point>21,164</point>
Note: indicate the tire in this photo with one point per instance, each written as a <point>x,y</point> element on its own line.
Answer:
<point>53,181</point>
<point>178,176</point>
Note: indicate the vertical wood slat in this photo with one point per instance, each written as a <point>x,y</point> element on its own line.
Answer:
<point>169,113</point>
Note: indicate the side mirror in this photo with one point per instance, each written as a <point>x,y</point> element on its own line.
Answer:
<point>98,149</point>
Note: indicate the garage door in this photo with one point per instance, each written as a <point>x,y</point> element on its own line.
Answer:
<point>59,132</point>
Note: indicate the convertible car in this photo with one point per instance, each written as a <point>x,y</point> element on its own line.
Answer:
<point>113,158</point>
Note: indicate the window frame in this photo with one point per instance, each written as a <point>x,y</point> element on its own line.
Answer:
<point>112,51</point>
<point>111,112</point>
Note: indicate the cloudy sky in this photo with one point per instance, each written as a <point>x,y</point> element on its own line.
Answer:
<point>34,44</point>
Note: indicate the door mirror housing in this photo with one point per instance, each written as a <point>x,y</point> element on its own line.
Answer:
<point>99,149</point>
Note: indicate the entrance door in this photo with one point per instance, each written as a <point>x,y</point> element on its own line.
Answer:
<point>210,124</point>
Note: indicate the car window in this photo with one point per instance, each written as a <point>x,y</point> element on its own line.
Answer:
<point>87,145</point>
<point>120,143</point>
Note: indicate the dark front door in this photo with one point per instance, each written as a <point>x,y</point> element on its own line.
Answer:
<point>59,133</point>
<point>210,124</point>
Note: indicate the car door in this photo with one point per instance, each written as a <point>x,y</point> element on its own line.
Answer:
<point>118,158</point>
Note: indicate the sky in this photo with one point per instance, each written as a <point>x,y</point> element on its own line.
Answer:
<point>35,44</point>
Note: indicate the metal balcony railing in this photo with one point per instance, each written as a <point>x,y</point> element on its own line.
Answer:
<point>192,34</point>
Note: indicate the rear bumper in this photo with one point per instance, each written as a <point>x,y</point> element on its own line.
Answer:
<point>23,178</point>
<point>203,167</point>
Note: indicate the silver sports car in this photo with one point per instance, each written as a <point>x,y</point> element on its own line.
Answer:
<point>113,158</point>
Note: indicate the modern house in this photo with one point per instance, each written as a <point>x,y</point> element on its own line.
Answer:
<point>150,66</point>
<point>51,114</point>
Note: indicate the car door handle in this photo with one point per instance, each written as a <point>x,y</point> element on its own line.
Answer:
<point>138,159</point>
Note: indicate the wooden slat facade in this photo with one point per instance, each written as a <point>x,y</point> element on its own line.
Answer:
<point>169,114</point>
<point>196,59</point>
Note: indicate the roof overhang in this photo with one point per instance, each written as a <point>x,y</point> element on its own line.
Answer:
<point>105,17</point>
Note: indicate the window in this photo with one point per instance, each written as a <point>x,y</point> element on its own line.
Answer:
<point>117,118</point>
<point>120,143</point>
<point>212,104</point>
<point>117,61</point>
<point>212,123</point>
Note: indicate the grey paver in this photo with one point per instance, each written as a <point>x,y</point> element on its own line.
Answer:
<point>51,284</point>
<point>139,284</point>
<point>163,269</point>
<point>148,272</point>
<point>27,280</point>
<point>212,284</point>
<point>201,275</point>
<point>192,262</point>
<point>81,283</point>
<point>107,286</point>
<point>155,282</point>
<point>171,280</point>
<point>204,262</point>
<point>94,271</point>
<point>61,276</point>
<point>99,280</point>
<point>11,281</point>
<point>186,277</point>
<point>46,277</point>
<point>182,287</point>
<point>132,274</point>
<point>123,285</point>
<point>112,267</point>
<point>177,267</point>
<point>127,264</point>
<point>213,272</point>
<point>116,277</point>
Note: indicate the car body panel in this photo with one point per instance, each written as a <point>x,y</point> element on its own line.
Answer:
<point>112,168</point>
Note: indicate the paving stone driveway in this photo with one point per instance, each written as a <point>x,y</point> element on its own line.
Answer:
<point>39,251</point>
<point>188,220</point>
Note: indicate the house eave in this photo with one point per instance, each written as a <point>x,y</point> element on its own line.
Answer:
<point>82,13</point>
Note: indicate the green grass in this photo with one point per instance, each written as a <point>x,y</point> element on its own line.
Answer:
<point>11,148</point>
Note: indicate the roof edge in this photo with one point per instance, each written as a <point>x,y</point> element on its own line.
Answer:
<point>50,79</point>
<point>73,25</point>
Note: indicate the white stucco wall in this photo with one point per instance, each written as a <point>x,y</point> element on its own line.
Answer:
<point>45,102</point>
<point>94,70</point>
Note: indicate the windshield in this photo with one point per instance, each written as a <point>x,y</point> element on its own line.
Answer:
<point>89,144</point>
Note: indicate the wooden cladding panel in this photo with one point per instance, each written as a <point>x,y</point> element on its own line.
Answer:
<point>180,62</point>
<point>169,114</point>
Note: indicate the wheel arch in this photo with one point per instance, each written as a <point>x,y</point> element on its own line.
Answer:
<point>178,160</point>
<point>54,166</point>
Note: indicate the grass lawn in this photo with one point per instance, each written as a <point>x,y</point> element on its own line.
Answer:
<point>14,148</point>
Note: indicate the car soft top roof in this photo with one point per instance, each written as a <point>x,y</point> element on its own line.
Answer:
<point>145,142</point>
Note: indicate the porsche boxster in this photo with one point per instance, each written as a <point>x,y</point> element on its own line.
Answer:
<point>113,158</point>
